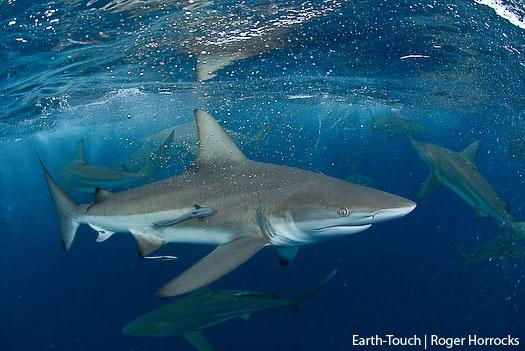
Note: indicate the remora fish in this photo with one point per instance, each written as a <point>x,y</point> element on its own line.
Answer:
<point>82,176</point>
<point>249,204</point>
<point>458,171</point>
<point>187,317</point>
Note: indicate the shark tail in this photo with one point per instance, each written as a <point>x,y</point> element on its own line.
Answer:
<point>298,299</point>
<point>157,159</point>
<point>66,208</point>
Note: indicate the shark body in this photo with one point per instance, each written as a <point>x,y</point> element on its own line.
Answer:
<point>83,176</point>
<point>189,316</point>
<point>242,206</point>
<point>458,171</point>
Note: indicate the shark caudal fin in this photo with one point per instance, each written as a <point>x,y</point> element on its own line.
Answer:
<point>158,158</point>
<point>66,208</point>
<point>298,299</point>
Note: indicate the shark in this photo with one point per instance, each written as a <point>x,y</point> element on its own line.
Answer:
<point>189,316</point>
<point>396,123</point>
<point>505,247</point>
<point>82,176</point>
<point>229,201</point>
<point>458,171</point>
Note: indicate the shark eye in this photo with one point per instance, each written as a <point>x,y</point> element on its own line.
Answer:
<point>344,212</point>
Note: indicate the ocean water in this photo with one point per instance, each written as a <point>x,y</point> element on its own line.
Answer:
<point>114,72</point>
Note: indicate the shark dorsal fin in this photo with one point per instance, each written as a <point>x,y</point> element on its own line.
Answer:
<point>101,195</point>
<point>215,145</point>
<point>471,151</point>
<point>79,152</point>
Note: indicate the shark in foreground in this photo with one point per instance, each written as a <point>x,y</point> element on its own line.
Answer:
<point>82,176</point>
<point>458,171</point>
<point>189,316</point>
<point>225,199</point>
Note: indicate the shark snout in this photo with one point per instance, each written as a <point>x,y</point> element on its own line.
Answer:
<point>392,213</point>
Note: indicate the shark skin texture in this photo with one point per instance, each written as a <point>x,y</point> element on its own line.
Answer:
<point>236,204</point>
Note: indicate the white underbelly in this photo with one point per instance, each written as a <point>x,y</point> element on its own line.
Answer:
<point>178,233</point>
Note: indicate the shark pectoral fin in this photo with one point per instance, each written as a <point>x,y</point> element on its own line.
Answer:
<point>224,259</point>
<point>246,317</point>
<point>198,340</point>
<point>287,254</point>
<point>104,235</point>
<point>101,195</point>
<point>147,244</point>
<point>431,184</point>
<point>471,151</point>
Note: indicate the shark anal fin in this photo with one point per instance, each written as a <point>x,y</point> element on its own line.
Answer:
<point>197,339</point>
<point>147,244</point>
<point>431,184</point>
<point>287,254</point>
<point>224,259</point>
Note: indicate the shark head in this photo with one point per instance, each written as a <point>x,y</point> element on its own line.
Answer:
<point>329,207</point>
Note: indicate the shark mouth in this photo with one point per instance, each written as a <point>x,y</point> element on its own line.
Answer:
<point>342,229</point>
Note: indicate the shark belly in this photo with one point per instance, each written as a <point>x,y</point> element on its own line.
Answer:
<point>142,224</point>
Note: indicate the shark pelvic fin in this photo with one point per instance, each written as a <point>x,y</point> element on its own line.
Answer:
<point>246,317</point>
<point>480,215</point>
<point>147,244</point>
<point>471,151</point>
<point>79,152</point>
<point>287,254</point>
<point>101,195</point>
<point>215,145</point>
<point>431,184</point>
<point>197,339</point>
<point>224,259</point>
<point>66,208</point>
<point>104,235</point>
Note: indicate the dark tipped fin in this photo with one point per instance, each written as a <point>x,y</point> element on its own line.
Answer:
<point>147,244</point>
<point>197,339</point>
<point>224,259</point>
<point>287,254</point>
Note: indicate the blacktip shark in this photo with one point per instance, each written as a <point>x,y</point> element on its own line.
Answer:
<point>83,176</point>
<point>230,201</point>
<point>189,316</point>
<point>458,171</point>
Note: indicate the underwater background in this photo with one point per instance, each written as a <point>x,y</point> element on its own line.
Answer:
<point>114,72</point>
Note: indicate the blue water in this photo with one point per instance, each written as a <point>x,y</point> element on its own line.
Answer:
<point>76,69</point>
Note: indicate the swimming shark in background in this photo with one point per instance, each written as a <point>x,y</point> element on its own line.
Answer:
<point>458,171</point>
<point>189,316</point>
<point>396,123</point>
<point>82,176</point>
<point>505,247</point>
<point>227,200</point>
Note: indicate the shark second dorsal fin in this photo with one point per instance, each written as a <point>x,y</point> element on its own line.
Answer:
<point>471,151</point>
<point>79,152</point>
<point>215,145</point>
